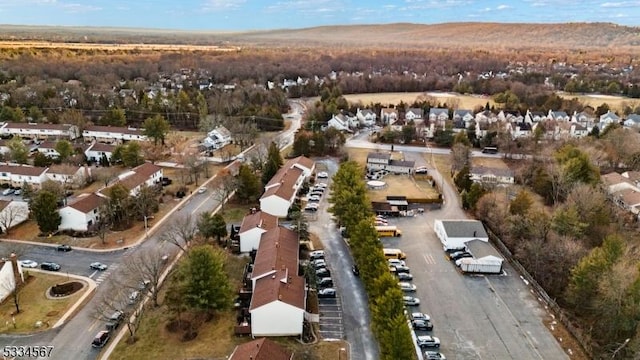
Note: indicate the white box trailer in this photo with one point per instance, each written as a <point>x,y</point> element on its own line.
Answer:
<point>485,265</point>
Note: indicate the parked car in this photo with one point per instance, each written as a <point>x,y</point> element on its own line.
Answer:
<point>422,325</point>
<point>133,297</point>
<point>460,255</point>
<point>404,276</point>
<point>202,190</point>
<point>116,317</point>
<point>319,263</point>
<point>50,266</point>
<point>399,269</point>
<point>322,175</point>
<point>428,341</point>
<point>420,170</point>
<point>434,355</point>
<point>319,188</point>
<point>64,247</point>
<point>323,272</point>
<point>407,287</point>
<point>317,254</point>
<point>17,192</point>
<point>325,282</point>
<point>7,191</point>
<point>419,316</point>
<point>313,198</point>
<point>316,193</point>
<point>322,185</point>
<point>100,339</point>
<point>312,207</point>
<point>28,264</point>
<point>410,301</point>
<point>98,266</point>
<point>396,262</point>
<point>327,293</point>
<point>456,249</point>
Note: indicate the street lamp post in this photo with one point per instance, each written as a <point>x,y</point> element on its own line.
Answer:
<point>146,227</point>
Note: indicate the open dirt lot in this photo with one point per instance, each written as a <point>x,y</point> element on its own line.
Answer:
<point>489,162</point>
<point>403,185</point>
<point>462,101</point>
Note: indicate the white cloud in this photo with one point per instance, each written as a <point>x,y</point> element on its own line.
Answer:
<point>222,5</point>
<point>80,8</point>
<point>620,4</point>
<point>503,7</point>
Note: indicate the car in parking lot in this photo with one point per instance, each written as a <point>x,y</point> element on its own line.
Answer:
<point>316,193</point>
<point>133,297</point>
<point>396,262</point>
<point>322,185</point>
<point>322,175</point>
<point>319,263</point>
<point>428,341</point>
<point>422,325</point>
<point>404,276</point>
<point>317,254</point>
<point>456,249</point>
<point>399,269</point>
<point>312,207</point>
<point>419,316</point>
<point>323,272</point>
<point>410,301</point>
<point>114,320</point>
<point>17,192</point>
<point>28,264</point>
<point>327,293</point>
<point>64,247</point>
<point>7,191</point>
<point>460,255</point>
<point>434,355</point>
<point>313,198</point>
<point>50,266</point>
<point>407,287</point>
<point>100,339</point>
<point>325,282</point>
<point>98,266</point>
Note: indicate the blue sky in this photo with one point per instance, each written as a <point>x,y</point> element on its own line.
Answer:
<point>234,15</point>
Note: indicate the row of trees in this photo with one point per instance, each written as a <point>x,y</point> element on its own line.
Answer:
<point>351,206</point>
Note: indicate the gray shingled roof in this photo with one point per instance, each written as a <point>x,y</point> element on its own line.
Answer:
<point>464,228</point>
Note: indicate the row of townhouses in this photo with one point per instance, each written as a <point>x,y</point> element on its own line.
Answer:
<point>624,190</point>
<point>278,291</point>
<point>92,133</point>
<point>554,124</point>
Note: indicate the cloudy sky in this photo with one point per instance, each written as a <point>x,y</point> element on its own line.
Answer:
<point>277,14</point>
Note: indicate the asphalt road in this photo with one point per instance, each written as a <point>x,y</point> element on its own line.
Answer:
<point>355,308</point>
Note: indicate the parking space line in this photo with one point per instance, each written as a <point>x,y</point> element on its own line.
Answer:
<point>429,259</point>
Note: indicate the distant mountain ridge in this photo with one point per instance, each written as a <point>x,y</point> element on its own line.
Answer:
<point>399,35</point>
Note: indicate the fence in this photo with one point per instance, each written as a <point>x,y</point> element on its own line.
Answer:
<point>577,333</point>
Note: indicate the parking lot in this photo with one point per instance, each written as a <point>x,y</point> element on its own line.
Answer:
<point>331,326</point>
<point>475,317</point>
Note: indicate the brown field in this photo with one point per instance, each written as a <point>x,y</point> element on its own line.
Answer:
<point>458,100</point>
<point>617,103</point>
<point>489,162</point>
<point>403,185</point>
<point>112,47</point>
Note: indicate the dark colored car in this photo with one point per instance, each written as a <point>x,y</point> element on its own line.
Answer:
<point>402,276</point>
<point>400,269</point>
<point>355,270</point>
<point>323,272</point>
<point>101,339</point>
<point>325,282</point>
<point>64,247</point>
<point>49,266</point>
<point>422,325</point>
<point>460,254</point>
<point>114,320</point>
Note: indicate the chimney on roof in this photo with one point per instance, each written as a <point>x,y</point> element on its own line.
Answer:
<point>474,233</point>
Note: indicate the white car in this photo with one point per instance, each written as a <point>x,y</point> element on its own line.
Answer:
<point>321,185</point>
<point>314,198</point>
<point>407,287</point>
<point>202,190</point>
<point>322,175</point>
<point>28,264</point>
<point>396,262</point>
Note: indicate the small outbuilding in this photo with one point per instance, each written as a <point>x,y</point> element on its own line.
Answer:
<point>455,233</point>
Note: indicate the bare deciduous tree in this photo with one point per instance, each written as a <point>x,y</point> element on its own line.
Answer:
<point>11,215</point>
<point>224,186</point>
<point>181,232</point>
<point>146,268</point>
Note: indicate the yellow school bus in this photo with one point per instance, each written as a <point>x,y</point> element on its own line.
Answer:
<point>388,231</point>
<point>394,254</point>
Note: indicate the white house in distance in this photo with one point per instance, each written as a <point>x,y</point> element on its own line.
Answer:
<point>366,117</point>
<point>281,190</point>
<point>492,175</point>
<point>278,301</point>
<point>388,116</point>
<point>413,114</point>
<point>112,134</point>
<point>12,213</point>
<point>97,150</point>
<point>10,274</point>
<point>82,214</point>
<point>217,138</point>
<point>48,148</point>
<point>40,131</point>
<point>455,233</point>
<point>339,122</point>
<point>69,175</point>
<point>253,226</point>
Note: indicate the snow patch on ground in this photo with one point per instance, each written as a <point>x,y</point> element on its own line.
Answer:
<point>441,94</point>
<point>599,96</point>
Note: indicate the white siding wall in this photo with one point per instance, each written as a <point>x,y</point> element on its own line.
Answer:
<point>73,219</point>
<point>250,239</point>
<point>277,319</point>
<point>7,279</point>
<point>275,206</point>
